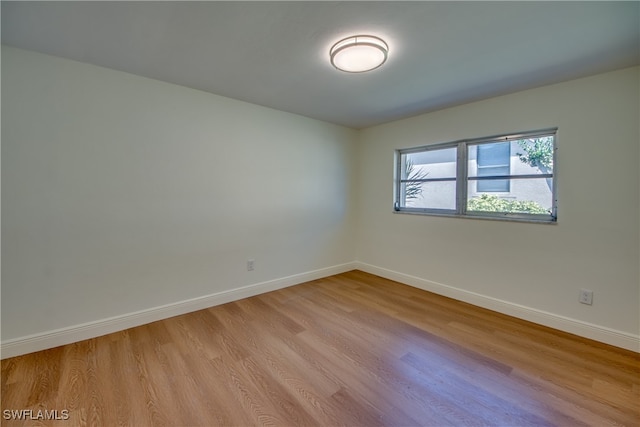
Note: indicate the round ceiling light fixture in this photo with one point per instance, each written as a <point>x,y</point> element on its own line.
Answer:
<point>357,54</point>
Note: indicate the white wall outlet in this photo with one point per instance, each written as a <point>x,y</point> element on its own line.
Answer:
<point>586,296</point>
<point>251,264</point>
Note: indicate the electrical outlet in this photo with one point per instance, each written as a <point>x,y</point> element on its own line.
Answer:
<point>586,296</point>
<point>250,264</point>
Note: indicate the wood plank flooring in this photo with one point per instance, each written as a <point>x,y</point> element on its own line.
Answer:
<point>352,349</point>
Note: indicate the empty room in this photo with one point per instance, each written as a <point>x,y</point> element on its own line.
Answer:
<point>321,213</point>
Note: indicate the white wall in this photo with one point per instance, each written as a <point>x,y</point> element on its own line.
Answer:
<point>537,267</point>
<point>121,193</point>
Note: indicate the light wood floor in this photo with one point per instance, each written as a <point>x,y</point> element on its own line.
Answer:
<point>352,349</point>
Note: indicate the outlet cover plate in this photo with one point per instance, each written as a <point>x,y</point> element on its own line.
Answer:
<point>586,296</point>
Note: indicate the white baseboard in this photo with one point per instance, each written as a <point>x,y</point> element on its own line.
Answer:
<point>63,336</point>
<point>566,324</point>
<point>58,337</point>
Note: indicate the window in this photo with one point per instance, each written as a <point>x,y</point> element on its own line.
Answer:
<point>494,159</point>
<point>504,177</point>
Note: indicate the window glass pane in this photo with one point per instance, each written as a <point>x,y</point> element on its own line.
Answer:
<point>493,186</point>
<point>495,154</point>
<point>430,164</point>
<point>535,155</point>
<point>530,195</point>
<point>491,159</point>
<point>430,195</point>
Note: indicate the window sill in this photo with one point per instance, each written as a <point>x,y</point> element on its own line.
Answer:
<point>504,218</point>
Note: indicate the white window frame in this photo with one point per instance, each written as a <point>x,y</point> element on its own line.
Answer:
<point>462,179</point>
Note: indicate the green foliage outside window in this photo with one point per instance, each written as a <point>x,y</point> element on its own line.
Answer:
<point>491,203</point>
<point>538,152</point>
<point>413,190</point>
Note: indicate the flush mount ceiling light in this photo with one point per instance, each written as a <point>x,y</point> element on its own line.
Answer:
<point>357,54</point>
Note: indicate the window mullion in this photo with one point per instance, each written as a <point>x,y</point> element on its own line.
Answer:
<point>461,182</point>
<point>492,177</point>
